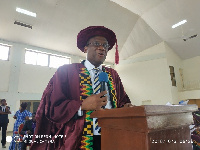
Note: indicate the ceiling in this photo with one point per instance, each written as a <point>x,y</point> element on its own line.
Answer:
<point>138,24</point>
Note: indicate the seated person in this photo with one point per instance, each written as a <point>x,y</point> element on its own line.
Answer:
<point>28,131</point>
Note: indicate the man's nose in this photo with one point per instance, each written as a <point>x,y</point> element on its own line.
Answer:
<point>102,48</point>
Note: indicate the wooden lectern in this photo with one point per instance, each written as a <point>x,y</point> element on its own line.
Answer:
<point>152,127</point>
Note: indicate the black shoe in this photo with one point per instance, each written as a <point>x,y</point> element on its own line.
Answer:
<point>3,146</point>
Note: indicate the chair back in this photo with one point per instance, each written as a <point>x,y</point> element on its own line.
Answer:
<point>20,128</point>
<point>18,137</point>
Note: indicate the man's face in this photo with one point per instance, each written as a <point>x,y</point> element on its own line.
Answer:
<point>96,55</point>
<point>3,102</point>
<point>33,117</point>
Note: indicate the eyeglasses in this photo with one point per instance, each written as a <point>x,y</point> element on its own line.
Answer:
<point>97,44</point>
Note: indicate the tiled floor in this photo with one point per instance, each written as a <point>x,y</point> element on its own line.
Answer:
<point>7,144</point>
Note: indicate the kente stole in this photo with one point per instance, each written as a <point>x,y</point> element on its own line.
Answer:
<point>85,91</point>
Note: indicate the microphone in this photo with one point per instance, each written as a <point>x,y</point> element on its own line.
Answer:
<point>103,78</point>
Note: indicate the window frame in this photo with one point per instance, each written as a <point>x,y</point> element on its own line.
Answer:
<point>49,55</point>
<point>31,101</point>
<point>9,46</point>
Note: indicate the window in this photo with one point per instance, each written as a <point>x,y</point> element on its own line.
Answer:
<point>31,58</point>
<point>4,51</point>
<point>32,105</point>
<point>42,59</point>
<point>45,59</point>
<point>36,58</point>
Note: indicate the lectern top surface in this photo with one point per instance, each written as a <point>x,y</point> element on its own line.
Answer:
<point>146,110</point>
<point>164,109</point>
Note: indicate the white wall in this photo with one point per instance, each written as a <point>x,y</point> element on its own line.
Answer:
<point>33,79</point>
<point>138,76</point>
<point>191,69</point>
<point>139,72</point>
<point>191,72</point>
<point>194,94</point>
<point>174,60</point>
<point>145,76</point>
<point>146,81</point>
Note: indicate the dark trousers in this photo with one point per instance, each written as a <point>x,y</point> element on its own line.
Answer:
<point>23,146</point>
<point>3,126</point>
<point>25,143</point>
<point>97,142</point>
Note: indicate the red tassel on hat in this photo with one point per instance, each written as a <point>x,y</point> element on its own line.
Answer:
<point>116,54</point>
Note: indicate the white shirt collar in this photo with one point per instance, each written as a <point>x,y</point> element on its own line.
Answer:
<point>90,66</point>
<point>3,108</point>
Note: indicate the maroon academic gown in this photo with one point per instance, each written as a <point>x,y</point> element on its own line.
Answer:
<point>56,114</point>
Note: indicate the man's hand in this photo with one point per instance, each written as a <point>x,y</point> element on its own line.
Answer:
<point>8,110</point>
<point>94,102</point>
<point>4,113</point>
<point>128,105</point>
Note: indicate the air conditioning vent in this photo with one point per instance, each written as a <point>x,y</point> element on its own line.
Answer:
<point>191,37</point>
<point>23,24</point>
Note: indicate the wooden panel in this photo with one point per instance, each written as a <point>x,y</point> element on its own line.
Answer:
<point>194,101</point>
<point>137,124</point>
<point>198,102</point>
<point>123,140</point>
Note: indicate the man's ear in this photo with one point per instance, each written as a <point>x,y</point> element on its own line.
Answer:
<point>85,49</point>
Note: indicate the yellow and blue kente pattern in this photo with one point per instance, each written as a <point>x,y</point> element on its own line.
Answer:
<point>86,90</point>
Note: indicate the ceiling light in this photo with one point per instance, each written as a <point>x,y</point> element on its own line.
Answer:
<point>26,12</point>
<point>179,23</point>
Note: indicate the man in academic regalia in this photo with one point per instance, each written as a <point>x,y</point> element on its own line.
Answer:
<point>63,116</point>
<point>4,111</point>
